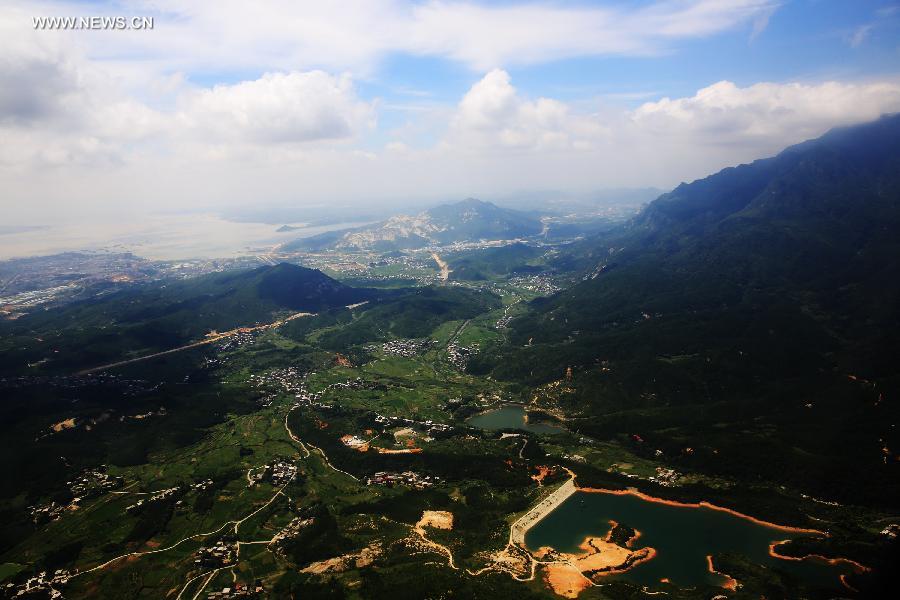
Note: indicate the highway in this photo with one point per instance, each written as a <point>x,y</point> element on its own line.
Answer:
<point>209,339</point>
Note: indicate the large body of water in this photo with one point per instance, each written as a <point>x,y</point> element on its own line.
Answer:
<point>511,417</point>
<point>683,537</point>
<point>157,237</point>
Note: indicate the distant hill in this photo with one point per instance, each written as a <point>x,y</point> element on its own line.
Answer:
<point>755,312</point>
<point>506,260</point>
<point>815,228</point>
<point>469,220</point>
<point>166,314</point>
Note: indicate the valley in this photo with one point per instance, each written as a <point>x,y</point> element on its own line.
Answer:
<point>611,414</point>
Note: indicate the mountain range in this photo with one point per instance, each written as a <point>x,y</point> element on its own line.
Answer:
<point>753,310</point>
<point>465,221</point>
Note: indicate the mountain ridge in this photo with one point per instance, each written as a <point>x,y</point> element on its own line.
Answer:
<point>464,221</point>
<point>763,297</point>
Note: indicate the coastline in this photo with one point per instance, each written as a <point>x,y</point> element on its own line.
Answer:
<point>773,552</point>
<point>702,504</point>
<point>858,567</point>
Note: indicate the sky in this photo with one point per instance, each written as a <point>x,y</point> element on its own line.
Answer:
<point>228,105</point>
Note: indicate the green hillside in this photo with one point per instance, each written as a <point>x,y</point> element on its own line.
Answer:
<point>152,317</point>
<point>753,316</point>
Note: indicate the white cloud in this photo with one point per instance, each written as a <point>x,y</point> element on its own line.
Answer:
<point>141,130</point>
<point>277,108</point>
<point>492,113</point>
<point>355,35</point>
<point>860,34</point>
<point>766,114</point>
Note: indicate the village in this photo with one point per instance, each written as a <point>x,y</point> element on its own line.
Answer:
<point>459,355</point>
<point>406,348</point>
<point>90,483</point>
<point>42,584</point>
<point>406,478</point>
<point>221,554</point>
<point>279,472</point>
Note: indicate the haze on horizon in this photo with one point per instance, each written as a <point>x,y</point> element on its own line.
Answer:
<point>226,105</point>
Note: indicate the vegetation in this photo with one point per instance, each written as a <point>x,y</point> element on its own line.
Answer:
<point>732,345</point>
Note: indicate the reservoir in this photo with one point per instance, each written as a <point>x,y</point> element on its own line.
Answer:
<point>511,417</point>
<point>683,537</point>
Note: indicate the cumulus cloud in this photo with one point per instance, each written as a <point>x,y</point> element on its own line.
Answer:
<point>58,109</point>
<point>356,34</point>
<point>141,127</point>
<point>772,113</point>
<point>278,108</point>
<point>493,113</point>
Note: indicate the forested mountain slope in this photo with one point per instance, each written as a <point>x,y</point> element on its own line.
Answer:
<point>766,297</point>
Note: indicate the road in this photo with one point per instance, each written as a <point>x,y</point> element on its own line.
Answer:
<point>210,338</point>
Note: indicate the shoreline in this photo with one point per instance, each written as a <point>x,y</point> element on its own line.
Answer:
<point>554,421</point>
<point>773,552</point>
<point>730,582</point>
<point>701,504</point>
<point>856,566</point>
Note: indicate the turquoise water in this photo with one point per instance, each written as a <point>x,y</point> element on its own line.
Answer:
<point>510,417</point>
<point>682,537</point>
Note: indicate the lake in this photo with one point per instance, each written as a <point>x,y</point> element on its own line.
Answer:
<point>682,535</point>
<point>156,237</point>
<point>511,417</point>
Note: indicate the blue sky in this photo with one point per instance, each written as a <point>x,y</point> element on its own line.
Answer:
<point>803,40</point>
<point>226,103</point>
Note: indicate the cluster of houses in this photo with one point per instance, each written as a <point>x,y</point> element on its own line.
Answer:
<point>290,530</point>
<point>239,590</point>
<point>460,355</point>
<point>237,340</point>
<point>202,485</point>
<point>407,348</point>
<point>281,472</point>
<point>429,425</point>
<point>292,381</point>
<point>408,478</point>
<point>90,483</point>
<point>351,384</point>
<point>221,554</point>
<point>503,322</point>
<point>665,477</point>
<point>574,457</point>
<point>41,585</point>
<point>156,497</point>
<point>539,284</point>
<point>51,511</point>
<point>289,379</point>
